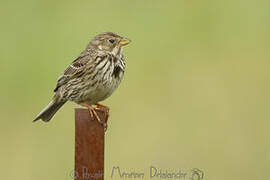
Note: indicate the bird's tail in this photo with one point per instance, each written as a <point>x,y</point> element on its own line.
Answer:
<point>48,112</point>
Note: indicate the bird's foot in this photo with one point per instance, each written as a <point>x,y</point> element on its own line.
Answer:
<point>107,111</point>
<point>105,108</point>
<point>93,113</point>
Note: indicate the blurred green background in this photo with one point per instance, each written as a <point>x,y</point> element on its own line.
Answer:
<point>195,93</point>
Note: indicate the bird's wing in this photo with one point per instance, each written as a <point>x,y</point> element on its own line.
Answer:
<point>74,70</point>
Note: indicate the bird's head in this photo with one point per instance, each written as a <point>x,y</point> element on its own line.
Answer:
<point>109,42</point>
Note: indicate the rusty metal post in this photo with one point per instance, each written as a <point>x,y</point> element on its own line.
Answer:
<point>89,145</point>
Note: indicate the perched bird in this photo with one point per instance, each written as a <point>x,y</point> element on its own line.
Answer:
<point>90,78</point>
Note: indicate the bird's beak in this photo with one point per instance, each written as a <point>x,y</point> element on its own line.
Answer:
<point>124,41</point>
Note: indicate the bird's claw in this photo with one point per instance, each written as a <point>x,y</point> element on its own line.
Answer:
<point>104,124</point>
<point>93,113</point>
<point>105,108</point>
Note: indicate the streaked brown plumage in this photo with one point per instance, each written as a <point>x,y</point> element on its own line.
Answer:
<point>90,78</point>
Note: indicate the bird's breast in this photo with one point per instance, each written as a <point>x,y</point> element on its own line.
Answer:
<point>106,81</point>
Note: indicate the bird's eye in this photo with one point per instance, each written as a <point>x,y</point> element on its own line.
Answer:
<point>112,41</point>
